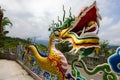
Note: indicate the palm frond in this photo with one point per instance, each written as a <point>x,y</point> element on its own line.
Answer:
<point>6,21</point>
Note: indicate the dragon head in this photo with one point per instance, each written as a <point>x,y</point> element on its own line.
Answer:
<point>82,30</point>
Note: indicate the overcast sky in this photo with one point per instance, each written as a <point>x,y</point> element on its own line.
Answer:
<point>31,18</point>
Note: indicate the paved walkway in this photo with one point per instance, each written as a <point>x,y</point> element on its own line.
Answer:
<point>10,70</point>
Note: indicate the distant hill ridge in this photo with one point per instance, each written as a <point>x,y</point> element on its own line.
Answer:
<point>43,42</point>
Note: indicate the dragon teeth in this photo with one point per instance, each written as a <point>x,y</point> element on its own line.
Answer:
<point>82,32</point>
<point>94,25</point>
<point>90,34</point>
<point>98,23</point>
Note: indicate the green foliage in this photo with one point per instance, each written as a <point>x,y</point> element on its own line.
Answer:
<point>5,22</point>
<point>8,42</point>
<point>42,47</point>
<point>64,46</point>
<point>1,44</point>
<point>105,49</point>
<point>29,41</point>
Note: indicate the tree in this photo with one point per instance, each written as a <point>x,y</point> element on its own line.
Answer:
<point>105,49</point>
<point>29,41</point>
<point>1,16</point>
<point>4,21</point>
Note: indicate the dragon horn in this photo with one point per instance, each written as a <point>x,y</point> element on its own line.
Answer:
<point>64,13</point>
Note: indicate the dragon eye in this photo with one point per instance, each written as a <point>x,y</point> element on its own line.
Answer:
<point>56,33</point>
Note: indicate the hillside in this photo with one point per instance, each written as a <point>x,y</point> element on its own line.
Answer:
<point>9,42</point>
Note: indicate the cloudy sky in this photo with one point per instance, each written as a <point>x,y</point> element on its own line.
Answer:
<point>31,18</point>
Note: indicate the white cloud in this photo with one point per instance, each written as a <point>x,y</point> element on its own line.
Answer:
<point>32,17</point>
<point>108,7</point>
<point>28,28</point>
<point>106,21</point>
<point>11,5</point>
<point>112,33</point>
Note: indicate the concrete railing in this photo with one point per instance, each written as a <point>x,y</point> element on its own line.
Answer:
<point>36,77</point>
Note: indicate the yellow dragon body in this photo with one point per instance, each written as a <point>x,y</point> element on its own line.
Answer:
<point>55,61</point>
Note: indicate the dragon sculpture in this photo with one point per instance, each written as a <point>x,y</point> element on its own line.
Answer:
<point>114,61</point>
<point>81,32</point>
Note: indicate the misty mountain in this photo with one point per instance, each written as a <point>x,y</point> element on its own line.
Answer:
<point>43,42</point>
